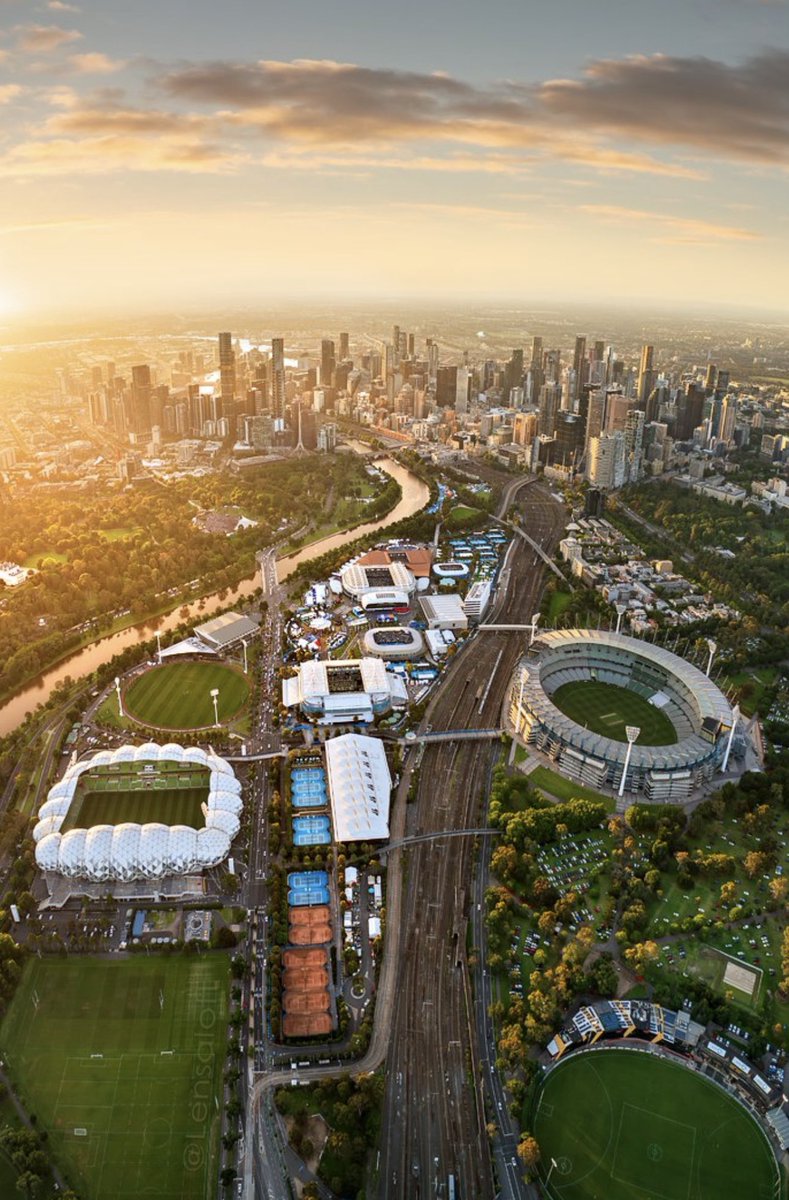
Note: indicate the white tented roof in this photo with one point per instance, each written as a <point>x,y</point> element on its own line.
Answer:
<point>359,787</point>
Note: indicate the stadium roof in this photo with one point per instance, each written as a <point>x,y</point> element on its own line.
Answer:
<point>548,649</point>
<point>359,787</point>
<point>227,629</point>
<point>131,851</point>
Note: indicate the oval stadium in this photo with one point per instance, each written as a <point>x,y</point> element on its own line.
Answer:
<point>576,691</point>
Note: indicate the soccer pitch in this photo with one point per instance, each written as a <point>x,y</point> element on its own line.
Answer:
<point>178,695</point>
<point>167,792</point>
<point>622,1125</point>
<point>122,1063</point>
<point>606,709</point>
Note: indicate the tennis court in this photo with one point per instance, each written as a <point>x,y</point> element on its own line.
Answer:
<point>308,787</point>
<point>311,831</point>
<point>307,888</point>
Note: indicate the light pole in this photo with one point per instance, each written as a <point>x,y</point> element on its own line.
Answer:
<point>159,646</point>
<point>534,623</point>
<point>550,1172</point>
<point>215,698</point>
<point>621,609</point>
<point>632,732</point>
<point>244,644</point>
<point>120,700</point>
<point>735,716</point>
<point>712,647</point>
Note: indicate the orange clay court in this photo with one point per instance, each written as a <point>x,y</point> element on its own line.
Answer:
<point>305,1002</point>
<point>310,926</point>
<point>305,979</point>
<point>306,1026</point>
<point>305,957</point>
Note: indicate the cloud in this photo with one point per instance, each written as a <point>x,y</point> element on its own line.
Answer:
<point>9,92</point>
<point>320,103</point>
<point>60,6</point>
<point>95,64</point>
<point>41,39</point>
<point>732,111</point>
<point>118,152</point>
<point>669,227</point>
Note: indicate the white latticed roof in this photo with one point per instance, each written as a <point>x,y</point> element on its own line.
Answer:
<point>130,851</point>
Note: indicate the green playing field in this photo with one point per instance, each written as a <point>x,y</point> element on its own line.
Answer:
<point>627,1126</point>
<point>178,695</point>
<point>606,709</point>
<point>138,792</point>
<point>122,1063</point>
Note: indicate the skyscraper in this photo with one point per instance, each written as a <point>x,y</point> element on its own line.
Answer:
<point>344,348</point>
<point>646,375</point>
<point>139,415</point>
<point>277,377</point>
<point>328,362</point>
<point>580,367</point>
<point>606,466</point>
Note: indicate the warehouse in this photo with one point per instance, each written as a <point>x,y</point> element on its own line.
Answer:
<point>444,612</point>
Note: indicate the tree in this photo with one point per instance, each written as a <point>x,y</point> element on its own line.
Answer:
<point>640,955</point>
<point>529,1152</point>
<point>779,888</point>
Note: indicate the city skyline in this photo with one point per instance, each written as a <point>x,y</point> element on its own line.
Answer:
<point>632,156</point>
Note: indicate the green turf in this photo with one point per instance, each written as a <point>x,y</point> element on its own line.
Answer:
<point>92,1056</point>
<point>110,795</point>
<point>177,695</point>
<point>566,789</point>
<point>606,709</point>
<point>629,1126</point>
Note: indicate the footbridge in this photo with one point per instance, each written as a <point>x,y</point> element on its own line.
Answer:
<point>450,735</point>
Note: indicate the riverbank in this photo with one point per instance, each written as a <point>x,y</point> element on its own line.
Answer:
<point>81,661</point>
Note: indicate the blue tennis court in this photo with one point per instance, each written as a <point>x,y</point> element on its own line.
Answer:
<point>300,897</point>
<point>311,831</point>
<point>309,800</point>
<point>308,887</point>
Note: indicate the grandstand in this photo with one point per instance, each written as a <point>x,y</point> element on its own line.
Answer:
<point>696,709</point>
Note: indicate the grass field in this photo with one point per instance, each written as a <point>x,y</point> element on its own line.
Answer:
<point>107,796</point>
<point>177,695</point>
<point>606,709</point>
<point>566,789</point>
<point>127,1090</point>
<point>627,1126</point>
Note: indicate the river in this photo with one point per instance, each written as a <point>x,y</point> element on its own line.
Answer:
<point>84,662</point>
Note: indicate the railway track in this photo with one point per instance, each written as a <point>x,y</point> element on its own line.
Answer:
<point>434,1114</point>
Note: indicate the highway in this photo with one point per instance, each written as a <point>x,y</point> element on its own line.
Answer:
<point>437,1082</point>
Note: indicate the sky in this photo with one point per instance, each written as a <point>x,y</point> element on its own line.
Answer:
<point>185,153</point>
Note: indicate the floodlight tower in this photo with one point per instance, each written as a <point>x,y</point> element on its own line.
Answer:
<point>621,609</point>
<point>120,699</point>
<point>534,623</point>
<point>712,647</point>
<point>159,646</point>
<point>244,644</point>
<point>215,698</point>
<point>735,716</point>
<point>550,1172</point>
<point>632,732</point>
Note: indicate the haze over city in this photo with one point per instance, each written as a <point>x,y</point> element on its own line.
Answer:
<point>168,156</point>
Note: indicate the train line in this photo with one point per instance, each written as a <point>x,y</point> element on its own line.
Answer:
<point>434,1108</point>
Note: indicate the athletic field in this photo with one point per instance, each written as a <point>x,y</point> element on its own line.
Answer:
<point>122,1063</point>
<point>178,695</point>
<point>623,1125</point>
<point>139,792</point>
<point>606,709</point>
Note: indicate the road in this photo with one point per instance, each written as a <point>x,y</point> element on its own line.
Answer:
<point>437,1087</point>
